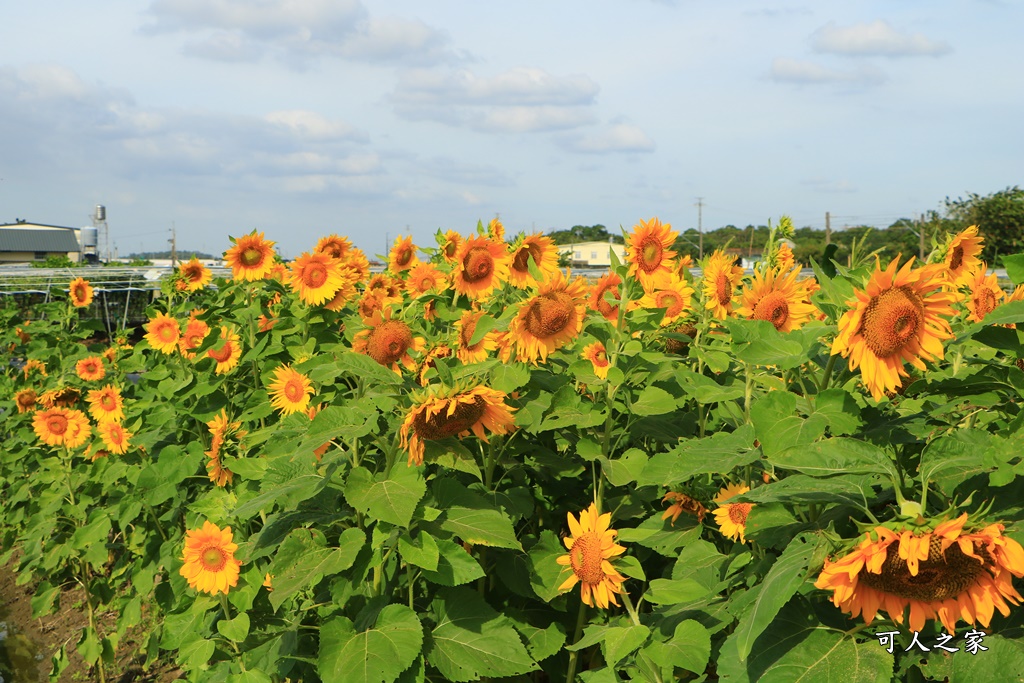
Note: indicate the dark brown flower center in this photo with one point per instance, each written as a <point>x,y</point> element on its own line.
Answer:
<point>403,256</point>
<point>585,558</point>
<point>477,265</point>
<point>774,308</point>
<point>938,578</point>
<point>985,302</point>
<point>723,289</point>
<point>958,258</point>
<point>27,399</point>
<point>738,512</point>
<point>521,262</point>
<point>441,425</point>
<point>315,274</point>
<point>892,320</point>
<point>388,342</point>
<point>550,314</point>
<point>251,257</point>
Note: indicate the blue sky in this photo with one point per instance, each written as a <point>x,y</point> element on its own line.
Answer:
<point>306,117</point>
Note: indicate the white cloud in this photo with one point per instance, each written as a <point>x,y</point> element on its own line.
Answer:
<point>785,70</point>
<point>826,185</point>
<point>875,39</point>
<point>617,137</point>
<point>313,126</point>
<point>223,47</point>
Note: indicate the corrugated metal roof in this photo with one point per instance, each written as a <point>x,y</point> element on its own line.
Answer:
<point>21,239</point>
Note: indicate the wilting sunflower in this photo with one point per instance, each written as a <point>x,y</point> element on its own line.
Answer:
<point>962,254</point>
<point>163,332</point>
<point>465,327</point>
<point>90,369</point>
<point>985,294</point>
<point>591,547</point>
<point>598,357</point>
<point>251,258</point>
<point>550,319</point>
<point>670,292</point>
<point>193,276</point>
<point>425,277</point>
<point>606,284</point>
<point>290,391</point>
<point>403,254</point>
<point>61,427</point>
<point>61,397</point>
<point>106,404</point>
<point>26,400</point>
<point>221,429</point>
<point>335,245</point>
<point>209,556</point>
<point>33,364</point>
<point>315,277</point>
<point>682,503</point>
<point>942,574</point>
<point>115,437</point>
<point>387,341</point>
<point>227,351</point>
<point>897,318</point>
<point>732,517</point>
<point>496,230</point>
<point>649,250</point>
<point>195,332</point>
<point>721,277</point>
<point>80,292</point>
<point>776,296</point>
<point>481,265</point>
<point>544,253</point>
<point>449,244</point>
<point>439,413</point>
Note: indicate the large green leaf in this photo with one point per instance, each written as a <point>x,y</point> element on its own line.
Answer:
<point>839,455</point>
<point>674,591</point>
<point>1014,264</point>
<point>849,489</point>
<point>480,527</point>
<point>454,565</point>
<point>653,401</point>
<point>689,648</point>
<point>721,452</point>
<point>390,498</point>
<point>421,551</point>
<point>546,575</point>
<point>472,641</point>
<point>616,641</point>
<point>658,534</point>
<point>301,561</point>
<point>703,389</point>
<point>760,343</point>
<point>377,655</point>
<point>952,459</point>
<point>840,408</point>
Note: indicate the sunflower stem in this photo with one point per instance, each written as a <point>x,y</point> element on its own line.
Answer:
<point>748,391</point>
<point>827,375</point>
<point>581,619</point>
<point>156,520</point>
<point>227,617</point>
<point>633,616</point>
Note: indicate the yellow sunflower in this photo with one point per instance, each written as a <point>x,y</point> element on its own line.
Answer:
<point>465,327</point>
<point>962,254</point>
<point>439,414</point>
<point>163,332</point>
<point>721,276</point>
<point>227,351</point>
<point>195,332</point>
<point>356,261</point>
<point>481,265</point>
<point>251,258</point>
<point>496,230</point>
<point>591,546</point>
<point>649,250</point>
<point>387,287</point>
<point>425,277</point>
<point>776,296</point>
<point>985,294</point>
<point>193,275</point>
<point>61,427</point>
<point>387,341</point>
<point>598,357</point>
<point>897,318</point>
<point>606,284</point>
<point>290,391</point>
<point>335,245</point>
<point>115,437</point>
<point>81,292</point>
<point>90,369</point>
<point>680,503</point>
<point>732,517</point>
<point>315,277</point>
<point>544,253</point>
<point>209,557</point>
<point>221,429</point>
<point>670,292</point>
<point>550,319</point>
<point>37,365</point>
<point>449,245</point>
<point>784,258</point>
<point>62,397</point>
<point>345,293</point>
<point>403,255</point>
<point>943,574</point>
<point>25,400</point>
<point>106,404</point>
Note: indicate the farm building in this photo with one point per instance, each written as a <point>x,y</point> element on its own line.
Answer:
<point>592,253</point>
<point>24,242</point>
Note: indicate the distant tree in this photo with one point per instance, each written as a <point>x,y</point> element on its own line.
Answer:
<point>999,217</point>
<point>584,233</point>
<point>61,261</point>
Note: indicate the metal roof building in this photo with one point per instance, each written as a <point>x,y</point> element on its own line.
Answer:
<point>23,242</point>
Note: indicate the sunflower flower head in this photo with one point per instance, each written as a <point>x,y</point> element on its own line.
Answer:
<point>90,369</point>
<point>403,255</point>
<point>424,278</point>
<point>591,545</point>
<point>598,357</point>
<point>440,413</point>
<point>680,503</point>
<point>106,404</point>
<point>984,295</point>
<point>315,277</point>
<point>162,333</point>
<point>61,427</point>
<point>607,285</point>
<point>80,292</point>
<point>649,250</point>
<point>290,391</point>
<point>961,254</point>
<point>481,265</point>
<point>732,517</point>
<point>388,341</point>
<point>227,352</point>
<point>465,328</point>
<point>335,245</point>
<point>25,400</point>
<point>550,319</point>
<point>251,258</point>
<point>115,436</point>
<point>775,295</point>
<point>193,275</point>
<point>544,254</point>
<point>209,559</point>
<point>670,292</point>
<point>720,279</point>
<point>223,432</point>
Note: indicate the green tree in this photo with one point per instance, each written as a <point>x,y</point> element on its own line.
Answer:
<point>584,233</point>
<point>999,217</point>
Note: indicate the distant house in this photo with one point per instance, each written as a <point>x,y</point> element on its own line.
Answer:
<point>592,254</point>
<point>24,242</point>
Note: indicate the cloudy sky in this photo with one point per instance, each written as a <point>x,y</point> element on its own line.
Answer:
<point>306,117</point>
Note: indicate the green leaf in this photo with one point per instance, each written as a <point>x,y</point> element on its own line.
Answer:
<point>541,643</point>
<point>674,591</point>
<point>195,654</point>
<point>377,655</point>
<point>836,456</point>
<point>391,498</point>
<point>302,487</point>
<point>658,534</point>
<point>840,408</point>
<point>484,324</point>
<point>620,641</point>
<point>957,457</point>
<point>721,452</point>
<point>689,648</point>
<point>236,629</point>
<point>454,565</point>
<point>848,489</point>
<point>472,641</point>
<point>183,625</point>
<point>301,562</point>
<point>366,369</point>
<point>793,432</point>
<point>705,390</point>
<point>1004,655</point>
<point>772,525</point>
<point>625,469</point>
<point>421,551</point>
<point>762,344</point>
<point>480,527</point>
<point>653,401</point>
<point>546,575</point>
<point>509,377</point>
<point>1014,265</point>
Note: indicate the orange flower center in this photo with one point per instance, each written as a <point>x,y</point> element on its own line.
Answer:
<point>223,355</point>
<point>600,358</point>
<point>468,330</point>
<point>115,434</point>
<point>388,342</point>
<point>892,320</point>
<point>940,577</point>
<point>650,255</point>
<point>669,301</point>
<point>774,308</point>
<point>26,399</point>
<point>550,314</point>
<point>985,302</point>
<point>738,512</point>
<point>441,425</point>
<point>314,274</point>
<point>166,333</point>
<point>521,262</point>
<point>477,265</point>
<point>107,402</point>
<point>723,289</point>
<point>585,558</point>
<point>57,424</point>
<point>403,256</point>
<point>213,559</point>
<point>81,292</point>
<point>958,258</point>
<point>293,390</point>
<point>251,256</point>
<point>425,282</point>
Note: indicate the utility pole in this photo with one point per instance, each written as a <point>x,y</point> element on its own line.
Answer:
<point>828,228</point>
<point>387,243</point>
<point>700,226</point>
<point>174,244</point>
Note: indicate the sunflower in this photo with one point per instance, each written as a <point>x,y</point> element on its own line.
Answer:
<point>387,341</point>
<point>81,292</point>
<point>649,251</point>
<point>732,517</point>
<point>598,357</point>
<point>315,277</point>
<point>430,361</point>
<point>345,293</point>
<point>897,318</point>
<point>550,319</point>
<point>387,287</point>
<point>439,414</point>
<point>465,327</point>
<point>776,296</point>
<point>942,573</point>
<point>209,557</point>
<point>606,284</point>
<point>962,254</point>
<point>115,437</point>
<point>26,400</point>
<point>496,230</point>
<point>37,365</point>
<point>671,293</point>
<point>449,244</point>
<point>61,427</point>
<point>193,276</point>
<point>62,397</point>
<point>984,295</point>
<point>335,245</point>
<point>721,276</point>
<point>403,254</point>
<point>106,404</point>
<point>90,369</point>
<point>229,352</point>
<point>481,265</point>
<point>251,258</point>
<point>784,258</point>
<point>356,261</point>
<point>290,391</point>
<point>591,547</point>
<point>425,277</point>
<point>545,256</point>
<point>221,428</point>
<point>163,332</point>
<point>370,303</point>
<point>195,332</point>
<point>682,503</point>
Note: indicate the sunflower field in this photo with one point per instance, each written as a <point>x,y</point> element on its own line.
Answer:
<point>477,466</point>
